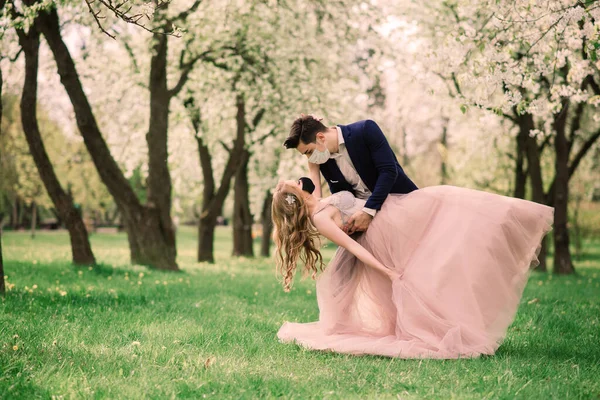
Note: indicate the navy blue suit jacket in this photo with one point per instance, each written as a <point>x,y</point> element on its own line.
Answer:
<point>374,161</point>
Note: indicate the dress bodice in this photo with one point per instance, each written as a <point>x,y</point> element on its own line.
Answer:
<point>344,201</point>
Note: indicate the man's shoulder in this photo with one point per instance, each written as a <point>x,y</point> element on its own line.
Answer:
<point>360,126</point>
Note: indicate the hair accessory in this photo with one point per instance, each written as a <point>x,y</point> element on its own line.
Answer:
<point>290,199</point>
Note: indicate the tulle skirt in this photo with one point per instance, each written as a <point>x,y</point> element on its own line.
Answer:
<point>463,256</point>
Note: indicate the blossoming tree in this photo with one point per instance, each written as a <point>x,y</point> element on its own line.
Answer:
<point>536,66</point>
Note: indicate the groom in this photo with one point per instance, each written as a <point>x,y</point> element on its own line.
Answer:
<point>355,157</point>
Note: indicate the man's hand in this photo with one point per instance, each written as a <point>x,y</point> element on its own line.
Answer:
<point>359,222</point>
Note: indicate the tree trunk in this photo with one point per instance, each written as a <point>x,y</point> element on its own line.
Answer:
<point>405,158</point>
<point>2,285</point>
<point>158,210</point>
<point>14,218</point>
<point>267,225</point>
<point>26,214</point>
<point>33,218</point>
<point>443,150</point>
<point>242,218</point>
<point>208,215</point>
<point>80,245</point>
<point>146,235</point>
<point>148,227</point>
<point>22,215</point>
<point>206,238</point>
<point>111,219</point>
<point>580,155</point>
<point>520,173</point>
<point>135,253</point>
<point>212,198</point>
<point>535,175</point>
<point>562,254</point>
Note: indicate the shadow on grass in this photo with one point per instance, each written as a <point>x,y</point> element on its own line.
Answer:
<point>106,270</point>
<point>19,300</point>
<point>50,271</point>
<point>102,269</point>
<point>538,350</point>
<point>15,381</point>
<point>535,352</point>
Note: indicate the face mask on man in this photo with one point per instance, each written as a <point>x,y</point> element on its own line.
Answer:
<point>318,156</point>
<point>307,184</point>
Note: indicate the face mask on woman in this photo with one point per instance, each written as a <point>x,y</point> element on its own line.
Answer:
<point>307,184</point>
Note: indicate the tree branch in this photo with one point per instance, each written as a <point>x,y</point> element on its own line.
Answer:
<point>587,145</point>
<point>13,59</point>
<point>544,144</point>
<point>261,139</point>
<point>594,86</point>
<point>97,18</point>
<point>185,74</point>
<point>575,163</point>
<point>456,84</point>
<point>129,50</point>
<point>446,79</point>
<point>123,14</point>
<point>182,16</point>
<point>195,115</point>
<point>216,63</point>
<point>227,149</point>
<point>258,117</point>
<point>186,68</point>
<point>575,125</point>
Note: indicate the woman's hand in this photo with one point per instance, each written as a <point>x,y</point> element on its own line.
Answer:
<point>328,228</point>
<point>393,274</point>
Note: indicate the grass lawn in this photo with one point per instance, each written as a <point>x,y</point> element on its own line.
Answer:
<point>121,331</point>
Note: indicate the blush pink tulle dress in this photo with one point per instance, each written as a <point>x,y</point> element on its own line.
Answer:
<point>463,256</point>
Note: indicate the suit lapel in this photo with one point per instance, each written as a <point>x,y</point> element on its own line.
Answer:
<point>331,171</point>
<point>350,139</point>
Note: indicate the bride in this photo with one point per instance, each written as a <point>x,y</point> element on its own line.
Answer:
<point>438,274</point>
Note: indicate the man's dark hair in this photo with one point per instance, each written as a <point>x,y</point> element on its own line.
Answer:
<point>304,129</point>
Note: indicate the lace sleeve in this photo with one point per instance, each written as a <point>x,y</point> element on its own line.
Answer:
<point>343,201</point>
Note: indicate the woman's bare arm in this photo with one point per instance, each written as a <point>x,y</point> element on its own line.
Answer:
<point>328,228</point>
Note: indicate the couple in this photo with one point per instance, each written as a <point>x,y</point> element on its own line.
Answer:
<point>428,273</point>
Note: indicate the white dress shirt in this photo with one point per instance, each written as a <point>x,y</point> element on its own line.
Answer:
<point>344,163</point>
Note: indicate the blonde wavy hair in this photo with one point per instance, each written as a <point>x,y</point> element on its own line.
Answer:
<point>294,234</point>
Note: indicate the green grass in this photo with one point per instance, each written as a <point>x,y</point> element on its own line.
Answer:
<point>210,332</point>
